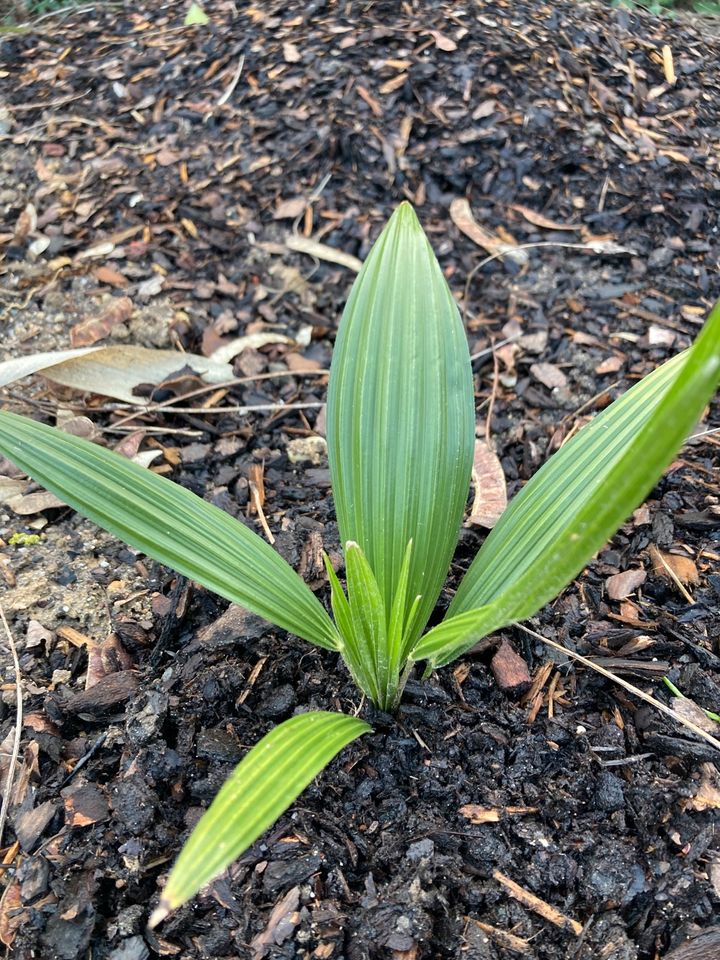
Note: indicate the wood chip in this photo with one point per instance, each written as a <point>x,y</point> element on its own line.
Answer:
<point>106,695</point>
<point>549,375</point>
<point>510,670</point>
<point>291,54</point>
<point>621,585</point>
<point>707,796</point>
<point>85,804</point>
<point>290,209</point>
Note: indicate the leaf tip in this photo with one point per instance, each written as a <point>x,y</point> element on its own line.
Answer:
<point>351,545</point>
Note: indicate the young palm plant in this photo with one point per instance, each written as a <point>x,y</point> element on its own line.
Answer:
<point>401,430</point>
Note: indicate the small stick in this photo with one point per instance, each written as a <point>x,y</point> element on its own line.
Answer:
<point>506,940</point>
<point>18,726</point>
<point>627,686</point>
<point>257,504</point>
<point>537,905</point>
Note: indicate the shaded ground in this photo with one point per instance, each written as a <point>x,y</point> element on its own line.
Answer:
<point>168,166</point>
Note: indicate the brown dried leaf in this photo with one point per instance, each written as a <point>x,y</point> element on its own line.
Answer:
<point>621,585</point>
<point>538,220</point>
<point>683,567</point>
<point>461,216</point>
<point>442,42</point>
<point>490,490</point>
<point>111,276</point>
<point>89,331</point>
<point>12,913</point>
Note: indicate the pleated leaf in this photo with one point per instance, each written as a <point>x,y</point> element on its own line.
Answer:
<point>169,524</point>
<point>578,499</point>
<point>400,415</point>
<point>258,791</point>
<point>358,657</point>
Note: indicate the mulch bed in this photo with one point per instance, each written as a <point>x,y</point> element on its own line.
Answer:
<point>156,183</point>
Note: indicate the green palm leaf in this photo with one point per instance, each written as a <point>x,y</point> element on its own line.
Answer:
<point>260,789</point>
<point>169,523</point>
<point>578,499</point>
<point>400,416</point>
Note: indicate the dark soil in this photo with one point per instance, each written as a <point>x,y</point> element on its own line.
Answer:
<point>143,185</point>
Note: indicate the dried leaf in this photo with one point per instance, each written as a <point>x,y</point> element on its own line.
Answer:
<point>621,585</point>
<point>228,351</point>
<point>538,220</point>
<point>111,276</point>
<point>442,42</point>
<point>490,490</point>
<point>610,365</point>
<point>683,567</point>
<point>113,371</point>
<point>323,252</point>
<point>87,332</point>
<point>12,913</point>
<point>85,804</point>
<point>462,217</point>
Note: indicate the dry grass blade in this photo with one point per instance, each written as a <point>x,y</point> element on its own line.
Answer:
<point>627,686</point>
<point>18,726</point>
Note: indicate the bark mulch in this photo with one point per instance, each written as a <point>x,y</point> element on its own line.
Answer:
<point>162,185</point>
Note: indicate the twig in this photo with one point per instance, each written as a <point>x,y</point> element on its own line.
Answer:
<point>624,683</point>
<point>84,758</point>
<point>704,433</point>
<point>18,726</point>
<point>592,247</point>
<point>257,504</point>
<point>537,905</point>
<point>502,937</point>
<point>228,92</point>
<point>493,395</point>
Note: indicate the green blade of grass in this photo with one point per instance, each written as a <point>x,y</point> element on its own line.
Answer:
<point>400,416</point>
<point>578,499</point>
<point>259,790</point>
<point>169,524</point>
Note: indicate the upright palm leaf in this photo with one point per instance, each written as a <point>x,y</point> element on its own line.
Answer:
<point>401,417</point>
